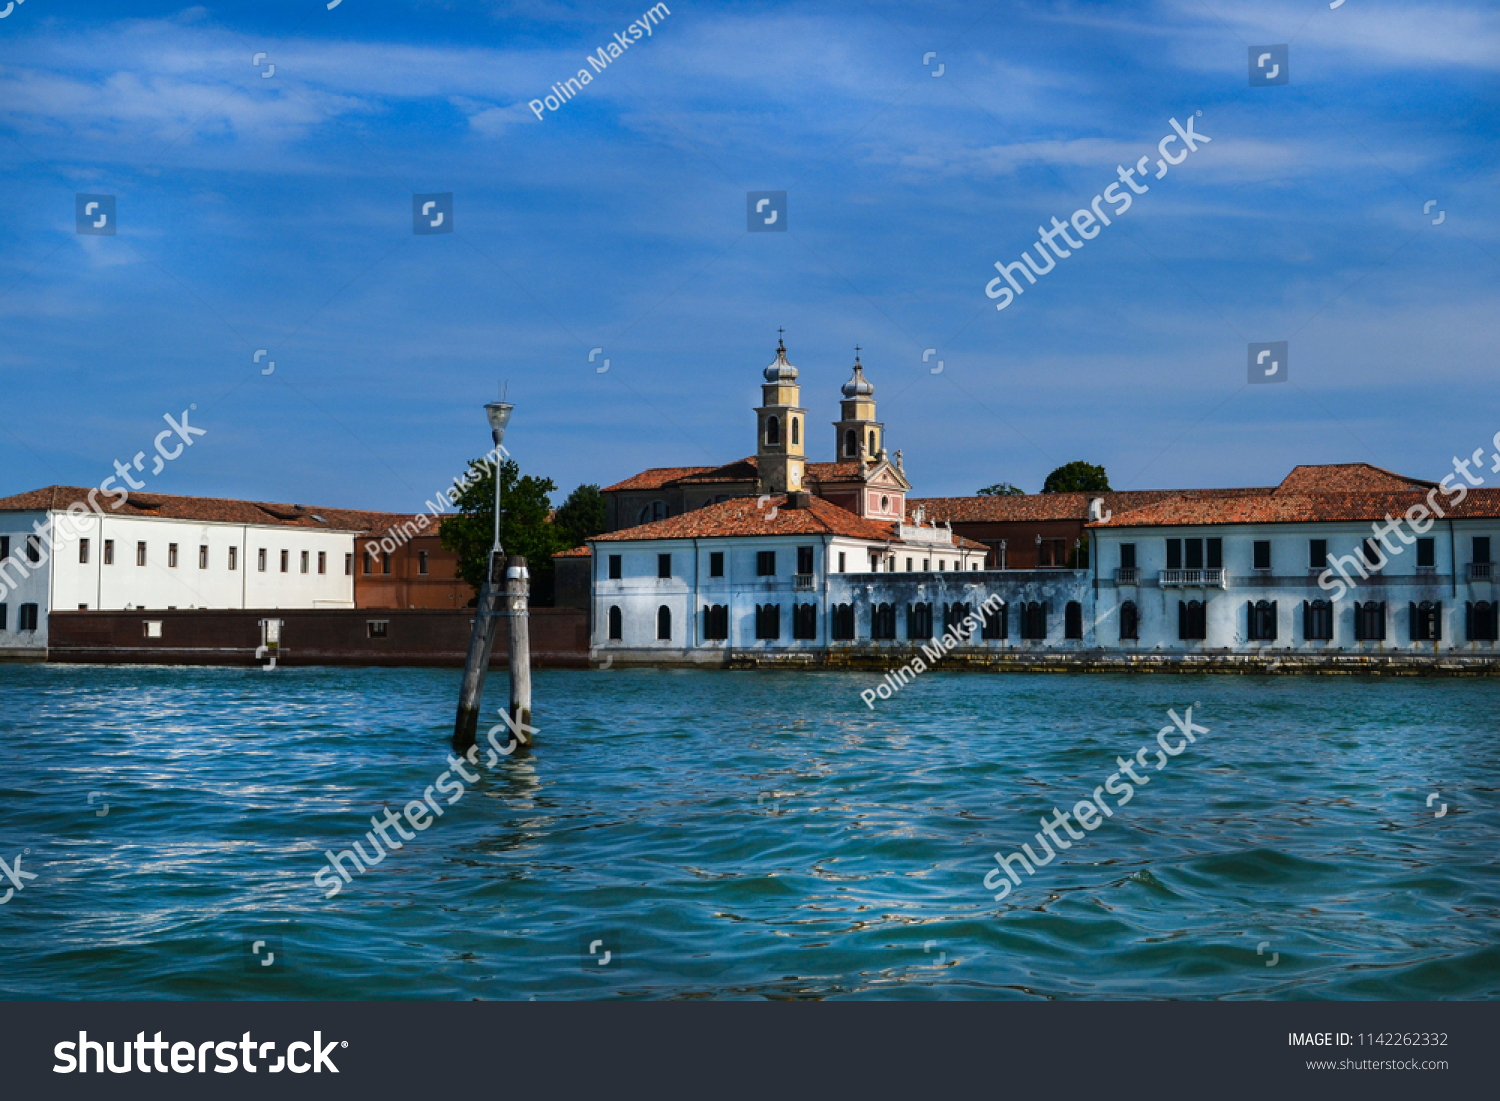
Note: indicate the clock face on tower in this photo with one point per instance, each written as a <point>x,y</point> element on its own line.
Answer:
<point>794,477</point>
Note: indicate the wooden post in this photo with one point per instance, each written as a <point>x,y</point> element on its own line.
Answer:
<point>518,618</point>
<point>481,643</point>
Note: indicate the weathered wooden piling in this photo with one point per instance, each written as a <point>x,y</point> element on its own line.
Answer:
<point>518,617</point>
<point>481,644</point>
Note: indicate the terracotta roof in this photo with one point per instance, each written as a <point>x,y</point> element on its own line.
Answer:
<point>662,476</point>
<point>742,516</point>
<point>384,523</point>
<point>834,472</point>
<point>1346,478</point>
<point>1053,506</point>
<point>206,509</point>
<point>1320,507</point>
<point>577,552</point>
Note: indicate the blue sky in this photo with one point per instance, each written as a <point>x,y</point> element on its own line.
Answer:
<point>275,212</point>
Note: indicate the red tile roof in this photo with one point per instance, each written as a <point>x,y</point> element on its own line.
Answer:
<point>577,552</point>
<point>1320,507</point>
<point>1346,478</point>
<point>741,470</point>
<point>742,516</point>
<point>208,509</point>
<point>1034,507</point>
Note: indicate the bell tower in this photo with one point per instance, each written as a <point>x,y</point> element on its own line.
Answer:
<point>781,428</point>
<point>859,436</point>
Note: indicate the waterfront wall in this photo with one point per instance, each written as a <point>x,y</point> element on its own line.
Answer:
<point>396,637</point>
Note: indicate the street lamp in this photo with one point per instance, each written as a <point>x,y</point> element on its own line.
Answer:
<point>499,416</point>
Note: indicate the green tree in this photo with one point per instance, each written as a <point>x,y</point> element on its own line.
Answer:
<point>524,525</point>
<point>581,516</point>
<point>1002,489</point>
<point>1076,477</point>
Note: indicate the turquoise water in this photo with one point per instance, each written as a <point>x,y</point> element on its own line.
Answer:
<point>747,834</point>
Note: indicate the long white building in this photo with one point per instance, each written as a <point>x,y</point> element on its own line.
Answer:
<point>155,552</point>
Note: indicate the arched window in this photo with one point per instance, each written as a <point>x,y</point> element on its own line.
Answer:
<point>664,622</point>
<point>658,510</point>
<point>616,631</point>
<point>1073,620</point>
<point>851,443</point>
<point>1481,622</point>
<point>873,451</point>
<point>773,431</point>
<point>794,430</point>
<point>1130,621</point>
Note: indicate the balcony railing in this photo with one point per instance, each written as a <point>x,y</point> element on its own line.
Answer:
<point>802,580</point>
<point>1198,578</point>
<point>1127,575</point>
<point>1481,571</point>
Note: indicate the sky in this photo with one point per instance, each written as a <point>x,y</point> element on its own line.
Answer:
<point>266,203</point>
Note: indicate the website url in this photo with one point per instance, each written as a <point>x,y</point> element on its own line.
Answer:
<point>1376,1064</point>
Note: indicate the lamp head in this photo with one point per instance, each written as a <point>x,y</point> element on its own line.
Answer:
<point>499,415</point>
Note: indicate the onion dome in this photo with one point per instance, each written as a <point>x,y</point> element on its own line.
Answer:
<point>858,386</point>
<point>781,370</point>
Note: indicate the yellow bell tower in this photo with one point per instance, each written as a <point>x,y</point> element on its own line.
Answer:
<point>781,428</point>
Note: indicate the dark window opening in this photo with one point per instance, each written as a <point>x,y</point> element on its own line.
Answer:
<point>804,619</point>
<point>1130,621</point>
<point>1427,553</point>
<point>1262,554</point>
<point>768,621</point>
<point>1369,621</point>
<point>1261,620</point>
<point>765,563</point>
<point>663,565</point>
<point>1479,621</point>
<point>616,626</point>
<point>1073,620</point>
<point>1317,621</point>
<point>716,564</point>
<point>919,620</point>
<point>997,623</point>
<point>1034,620</point>
<point>663,623</point>
<point>377,628</point>
<point>1317,553</point>
<point>841,622</point>
<point>1426,621</point>
<point>1192,620</point>
<point>716,622</point>
<point>773,432</point>
<point>804,560</point>
<point>1127,556</point>
<point>614,567</point>
<point>883,621</point>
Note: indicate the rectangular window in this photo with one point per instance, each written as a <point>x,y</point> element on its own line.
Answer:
<point>663,566</point>
<point>151,628</point>
<point>1192,554</point>
<point>4,547</point>
<point>1371,549</point>
<point>234,558</point>
<point>882,621</point>
<point>172,555</point>
<point>1052,552</point>
<point>1317,553</point>
<point>286,557</point>
<point>33,548</point>
<point>377,628</point>
<point>1481,548</point>
<point>421,563</point>
<point>140,554</point>
<point>348,565</point>
<point>203,556</point>
<point>804,621</point>
<point>997,622</point>
<point>919,620</point>
<point>28,618</point>
<point>805,560</point>
<point>841,622</point>
<point>109,552</point>
<point>908,564</point>
<point>1215,548</point>
<point>1127,556</point>
<point>1427,553</point>
<point>841,565</point>
<point>1261,559</point>
<point>1480,621</point>
<point>765,563</point>
<point>768,621</point>
<point>260,560</point>
<point>1369,621</point>
<point>926,564</point>
<point>1317,621</point>
<point>1174,554</point>
<point>304,562</point>
<point>323,562</point>
<point>1261,620</point>
<point>385,562</point>
<point>83,607</point>
<point>716,622</point>
<point>1034,620</point>
<point>4,608</point>
<point>367,568</point>
<point>1426,621</point>
<point>716,564</point>
<point>83,550</point>
<point>1192,620</point>
<point>614,567</point>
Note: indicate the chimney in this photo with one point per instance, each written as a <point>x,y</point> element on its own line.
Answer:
<point>800,499</point>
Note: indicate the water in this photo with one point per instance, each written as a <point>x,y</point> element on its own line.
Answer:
<point>747,834</point>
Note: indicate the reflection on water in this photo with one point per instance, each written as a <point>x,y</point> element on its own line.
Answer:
<point>746,834</point>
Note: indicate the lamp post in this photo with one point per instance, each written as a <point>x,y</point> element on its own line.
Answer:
<point>511,586</point>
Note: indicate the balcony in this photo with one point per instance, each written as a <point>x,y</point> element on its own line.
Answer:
<point>803,581</point>
<point>1192,579</point>
<point>1481,571</point>
<point>1127,575</point>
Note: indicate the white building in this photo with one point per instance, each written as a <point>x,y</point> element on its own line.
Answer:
<point>1300,568</point>
<point>159,552</point>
